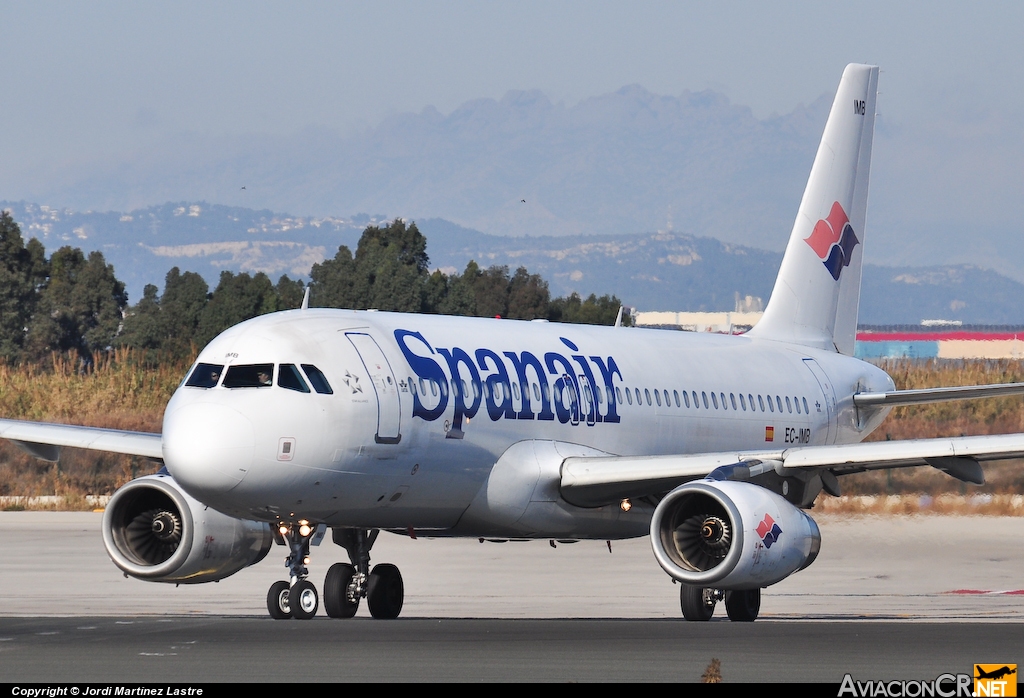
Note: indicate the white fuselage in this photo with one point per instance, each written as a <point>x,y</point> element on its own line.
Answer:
<point>423,406</point>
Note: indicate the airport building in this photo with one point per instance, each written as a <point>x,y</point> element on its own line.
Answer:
<point>932,339</point>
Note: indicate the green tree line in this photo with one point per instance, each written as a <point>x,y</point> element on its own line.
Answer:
<point>74,303</point>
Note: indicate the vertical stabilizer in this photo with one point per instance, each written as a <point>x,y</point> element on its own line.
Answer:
<point>817,293</point>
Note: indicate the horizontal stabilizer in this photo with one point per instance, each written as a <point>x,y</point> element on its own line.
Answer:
<point>925,395</point>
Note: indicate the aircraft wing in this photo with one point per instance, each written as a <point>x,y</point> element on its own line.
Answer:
<point>595,481</point>
<point>44,440</point>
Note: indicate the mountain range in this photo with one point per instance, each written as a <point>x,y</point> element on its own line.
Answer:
<point>663,270</point>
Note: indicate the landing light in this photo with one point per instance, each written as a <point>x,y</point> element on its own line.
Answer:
<point>625,504</point>
<point>283,530</point>
<point>305,530</point>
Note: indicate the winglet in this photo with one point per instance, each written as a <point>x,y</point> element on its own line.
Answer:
<point>305,300</point>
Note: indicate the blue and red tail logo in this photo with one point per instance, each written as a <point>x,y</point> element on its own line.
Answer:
<point>833,240</point>
<point>769,530</point>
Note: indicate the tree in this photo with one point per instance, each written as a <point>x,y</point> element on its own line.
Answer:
<point>23,269</point>
<point>170,323</point>
<point>388,272</point>
<point>80,306</point>
<point>528,296</point>
<point>593,311</point>
<point>236,299</point>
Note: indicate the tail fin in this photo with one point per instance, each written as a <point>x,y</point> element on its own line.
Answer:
<point>817,293</point>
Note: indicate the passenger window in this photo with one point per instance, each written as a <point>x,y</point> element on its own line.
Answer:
<point>639,401</point>
<point>714,400</point>
<point>657,397</point>
<point>629,396</point>
<point>705,396</point>
<point>695,403</point>
<point>743,403</point>
<point>675,394</point>
<point>750,399</point>
<point>205,376</point>
<point>796,402</point>
<point>778,401</point>
<point>648,394</point>
<point>760,402</point>
<point>732,399</point>
<point>317,379</point>
<point>288,376</point>
<point>686,399</point>
<point>515,392</point>
<point>789,405</point>
<point>618,395</point>
<point>771,405</point>
<point>806,411</point>
<point>249,376</point>
<point>412,385</point>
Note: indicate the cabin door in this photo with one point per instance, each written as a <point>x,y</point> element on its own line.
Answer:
<point>389,407</point>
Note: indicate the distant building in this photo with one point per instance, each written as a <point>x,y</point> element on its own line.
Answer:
<point>940,341</point>
<point>932,339</point>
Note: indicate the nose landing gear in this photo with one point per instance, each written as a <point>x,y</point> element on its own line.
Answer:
<point>296,598</point>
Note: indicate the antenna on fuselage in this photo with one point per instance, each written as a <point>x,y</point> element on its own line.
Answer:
<point>305,300</point>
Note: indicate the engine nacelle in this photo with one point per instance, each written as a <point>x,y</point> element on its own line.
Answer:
<point>731,535</point>
<point>154,531</point>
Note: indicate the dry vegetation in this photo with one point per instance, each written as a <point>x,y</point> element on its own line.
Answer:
<point>123,391</point>
<point>120,392</point>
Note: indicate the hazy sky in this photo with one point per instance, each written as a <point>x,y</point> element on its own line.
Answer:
<point>99,81</point>
<point>85,79</point>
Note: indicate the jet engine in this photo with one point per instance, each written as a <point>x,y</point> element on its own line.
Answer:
<point>154,531</point>
<point>731,535</point>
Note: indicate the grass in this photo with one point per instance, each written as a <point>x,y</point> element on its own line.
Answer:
<point>120,391</point>
<point>125,390</point>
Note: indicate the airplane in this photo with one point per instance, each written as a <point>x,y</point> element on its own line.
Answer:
<point>295,423</point>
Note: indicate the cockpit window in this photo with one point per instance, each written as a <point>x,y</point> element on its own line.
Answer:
<point>205,376</point>
<point>288,376</point>
<point>317,378</point>
<point>249,376</point>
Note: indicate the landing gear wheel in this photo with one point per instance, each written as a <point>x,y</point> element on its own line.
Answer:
<point>385,592</point>
<point>697,603</point>
<point>743,605</point>
<point>336,598</point>
<point>303,599</point>
<point>277,601</point>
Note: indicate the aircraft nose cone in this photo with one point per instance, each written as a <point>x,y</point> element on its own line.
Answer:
<point>208,448</point>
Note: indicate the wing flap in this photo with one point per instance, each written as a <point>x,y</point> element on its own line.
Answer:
<point>36,437</point>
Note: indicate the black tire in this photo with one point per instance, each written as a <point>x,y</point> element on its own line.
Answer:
<point>336,601</point>
<point>743,605</point>
<point>277,601</point>
<point>385,592</point>
<point>304,600</point>
<point>697,603</point>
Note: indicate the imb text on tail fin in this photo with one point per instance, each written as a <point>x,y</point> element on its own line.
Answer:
<point>817,292</point>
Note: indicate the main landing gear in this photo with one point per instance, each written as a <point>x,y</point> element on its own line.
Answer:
<point>698,603</point>
<point>346,584</point>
